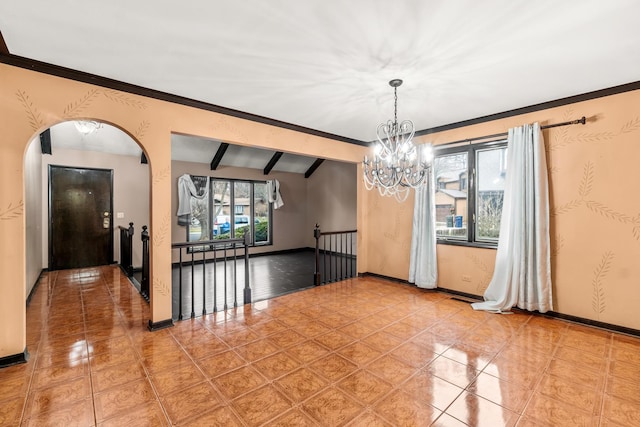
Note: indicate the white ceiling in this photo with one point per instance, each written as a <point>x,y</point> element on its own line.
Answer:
<point>325,64</point>
<point>106,138</point>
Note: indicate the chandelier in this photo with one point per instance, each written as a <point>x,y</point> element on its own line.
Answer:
<point>397,165</point>
<point>87,127</point>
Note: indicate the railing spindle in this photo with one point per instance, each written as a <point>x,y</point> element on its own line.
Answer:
<point>229,248</point>
<point>144,286</point>
<point>337,256</point>
<point>215,281</point>
<point>247,284</point>
<point>204,283</point>
<point>235,278</point>
<point>180,286</point>
<point>225,278</point>
<point>193,294</point>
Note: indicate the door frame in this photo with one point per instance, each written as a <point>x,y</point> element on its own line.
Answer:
<point>49,203</point>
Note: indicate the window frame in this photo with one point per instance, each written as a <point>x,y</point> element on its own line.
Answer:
<point>471,149</point>
<point>232,208</point>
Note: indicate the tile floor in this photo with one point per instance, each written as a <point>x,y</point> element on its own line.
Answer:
<point>364,352</point>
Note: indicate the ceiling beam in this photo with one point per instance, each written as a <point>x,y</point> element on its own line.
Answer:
<point>4,50</point>
<point>219,155</point>
<point>143,159</point>
<point>45,142</point>
<point>274,159</point>
<point>313,168</point>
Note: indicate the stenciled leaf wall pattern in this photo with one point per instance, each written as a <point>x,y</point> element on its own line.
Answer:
<point>584,190</point>
<point>78,106</point>
<point>161,286</point>
<point>587,199</point>
<point>12,211</point>
<point>599,274</point>
<point>487,273</point>
<point>140,131</point>
<point>161,175</point>
<point>563,138</point>
<point>33,115</point>
<point>162,232</point>
<point>123,98</point>
<point>558,244</point>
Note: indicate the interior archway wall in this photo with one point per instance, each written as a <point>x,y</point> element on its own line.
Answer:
<point>31,102</point>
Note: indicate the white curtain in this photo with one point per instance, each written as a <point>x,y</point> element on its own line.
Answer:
<point>186,190</point>
<point>423,267</point>
<point>273,193</point>
<point>522,274</point>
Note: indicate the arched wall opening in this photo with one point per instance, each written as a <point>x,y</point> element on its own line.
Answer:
<point>91,144</point>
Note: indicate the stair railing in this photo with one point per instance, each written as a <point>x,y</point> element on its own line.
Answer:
<point>335,258</point>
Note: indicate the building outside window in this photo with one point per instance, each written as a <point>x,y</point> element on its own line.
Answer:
<point>232,207</point>
<point>470,193</point>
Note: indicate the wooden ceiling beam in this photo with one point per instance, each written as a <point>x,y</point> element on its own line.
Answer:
<point>274,159</point>
<point>219,155</point>
<point>313,168</point>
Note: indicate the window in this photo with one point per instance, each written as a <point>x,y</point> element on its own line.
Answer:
<point>469,193</point>
<point>232,207</point>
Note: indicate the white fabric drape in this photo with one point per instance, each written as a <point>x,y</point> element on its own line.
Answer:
<point>522,274</point>
<point>423,267</point>
<point>186,190</point>
<point>273,193</point>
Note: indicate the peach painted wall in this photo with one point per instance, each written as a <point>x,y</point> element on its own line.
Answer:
<point>31,102</point>
<point>595,213</point>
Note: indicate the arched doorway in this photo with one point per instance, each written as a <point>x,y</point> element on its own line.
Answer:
<point>78,147</point>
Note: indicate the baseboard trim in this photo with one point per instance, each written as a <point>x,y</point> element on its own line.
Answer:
<point>390,279</point>
<point>163,324</point>
<point>35,286</point>
<point>281,252</point>
<point>14,359</point>
<point>593,323</point>
<point>472,297</point>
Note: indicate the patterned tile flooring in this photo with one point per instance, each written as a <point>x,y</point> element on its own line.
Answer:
<point>364,352</point>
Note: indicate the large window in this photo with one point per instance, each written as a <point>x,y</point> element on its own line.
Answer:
<point>232,207</point>
<point>470,192</point>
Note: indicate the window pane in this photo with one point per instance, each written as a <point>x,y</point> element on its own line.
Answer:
<point>451,196</point>
<point>199,220</point>
<point>491,167</point>
<point>261,211</point>
<point>242,208</point>
<point>221,209</point>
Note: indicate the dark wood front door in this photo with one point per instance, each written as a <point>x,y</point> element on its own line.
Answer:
<point>80,217</point>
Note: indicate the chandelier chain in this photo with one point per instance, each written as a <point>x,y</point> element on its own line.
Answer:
<point>395,106</point>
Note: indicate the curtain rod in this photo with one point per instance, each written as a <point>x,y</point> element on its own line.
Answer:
<point>582,121</point>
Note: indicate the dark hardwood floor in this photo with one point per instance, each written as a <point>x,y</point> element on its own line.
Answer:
<point>270,276</point>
